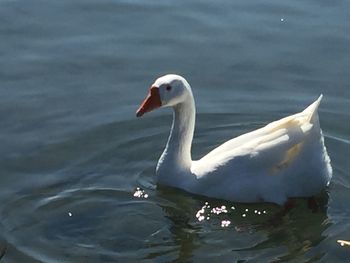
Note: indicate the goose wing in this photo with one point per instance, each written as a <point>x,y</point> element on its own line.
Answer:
<point>272,147</point>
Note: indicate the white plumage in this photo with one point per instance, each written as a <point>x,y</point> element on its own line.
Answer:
<point>286,158</point>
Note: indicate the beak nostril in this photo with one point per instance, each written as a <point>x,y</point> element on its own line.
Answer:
<point>153,90</point>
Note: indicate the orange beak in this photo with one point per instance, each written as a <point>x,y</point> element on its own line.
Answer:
<point>151,102</point>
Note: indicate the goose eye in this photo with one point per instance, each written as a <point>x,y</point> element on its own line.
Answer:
<point>168,87</point>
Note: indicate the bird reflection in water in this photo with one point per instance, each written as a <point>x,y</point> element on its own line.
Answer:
<point>293,235</point>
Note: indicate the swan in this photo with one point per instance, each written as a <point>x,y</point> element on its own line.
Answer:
<point>286,158</point>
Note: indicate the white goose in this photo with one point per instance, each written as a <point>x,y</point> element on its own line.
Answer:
<point>286,158</point>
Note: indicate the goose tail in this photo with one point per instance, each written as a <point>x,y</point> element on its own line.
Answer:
<point>311,110</point>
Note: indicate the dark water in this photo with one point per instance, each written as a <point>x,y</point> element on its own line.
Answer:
<point>72,74</point>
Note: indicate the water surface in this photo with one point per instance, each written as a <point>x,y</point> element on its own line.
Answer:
<point>77,168</point>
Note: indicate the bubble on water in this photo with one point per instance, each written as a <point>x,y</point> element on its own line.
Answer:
<point>282,19</point>
<point>244,215</point>
<point>70,214</point>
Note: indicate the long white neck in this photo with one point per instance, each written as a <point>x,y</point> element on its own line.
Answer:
<point>177,154</point>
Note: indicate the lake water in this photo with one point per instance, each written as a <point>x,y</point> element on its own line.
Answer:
<point>77,180</point>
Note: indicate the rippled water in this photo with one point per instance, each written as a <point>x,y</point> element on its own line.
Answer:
<point>77,177</point>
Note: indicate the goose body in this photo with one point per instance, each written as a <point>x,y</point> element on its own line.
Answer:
<point>286,158</point>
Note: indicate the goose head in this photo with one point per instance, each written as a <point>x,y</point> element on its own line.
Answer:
<point>167,91</point>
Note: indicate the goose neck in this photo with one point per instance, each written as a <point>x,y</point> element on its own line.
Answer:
<point>181,136</point>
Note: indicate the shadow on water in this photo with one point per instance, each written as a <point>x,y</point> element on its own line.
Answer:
<point>293,235</point>
<point>112,224</point>
<point>3,247</point>
<point>178,207</point>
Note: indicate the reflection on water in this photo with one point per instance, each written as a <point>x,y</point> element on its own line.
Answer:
<point>344,242</point>
<point>293,235</point>
<point>139,193</point>
<point>77,179</point>
<point>3,246</point>
<point>108,223</point>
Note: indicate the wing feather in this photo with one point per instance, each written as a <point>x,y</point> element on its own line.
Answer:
<point>271,148</point>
